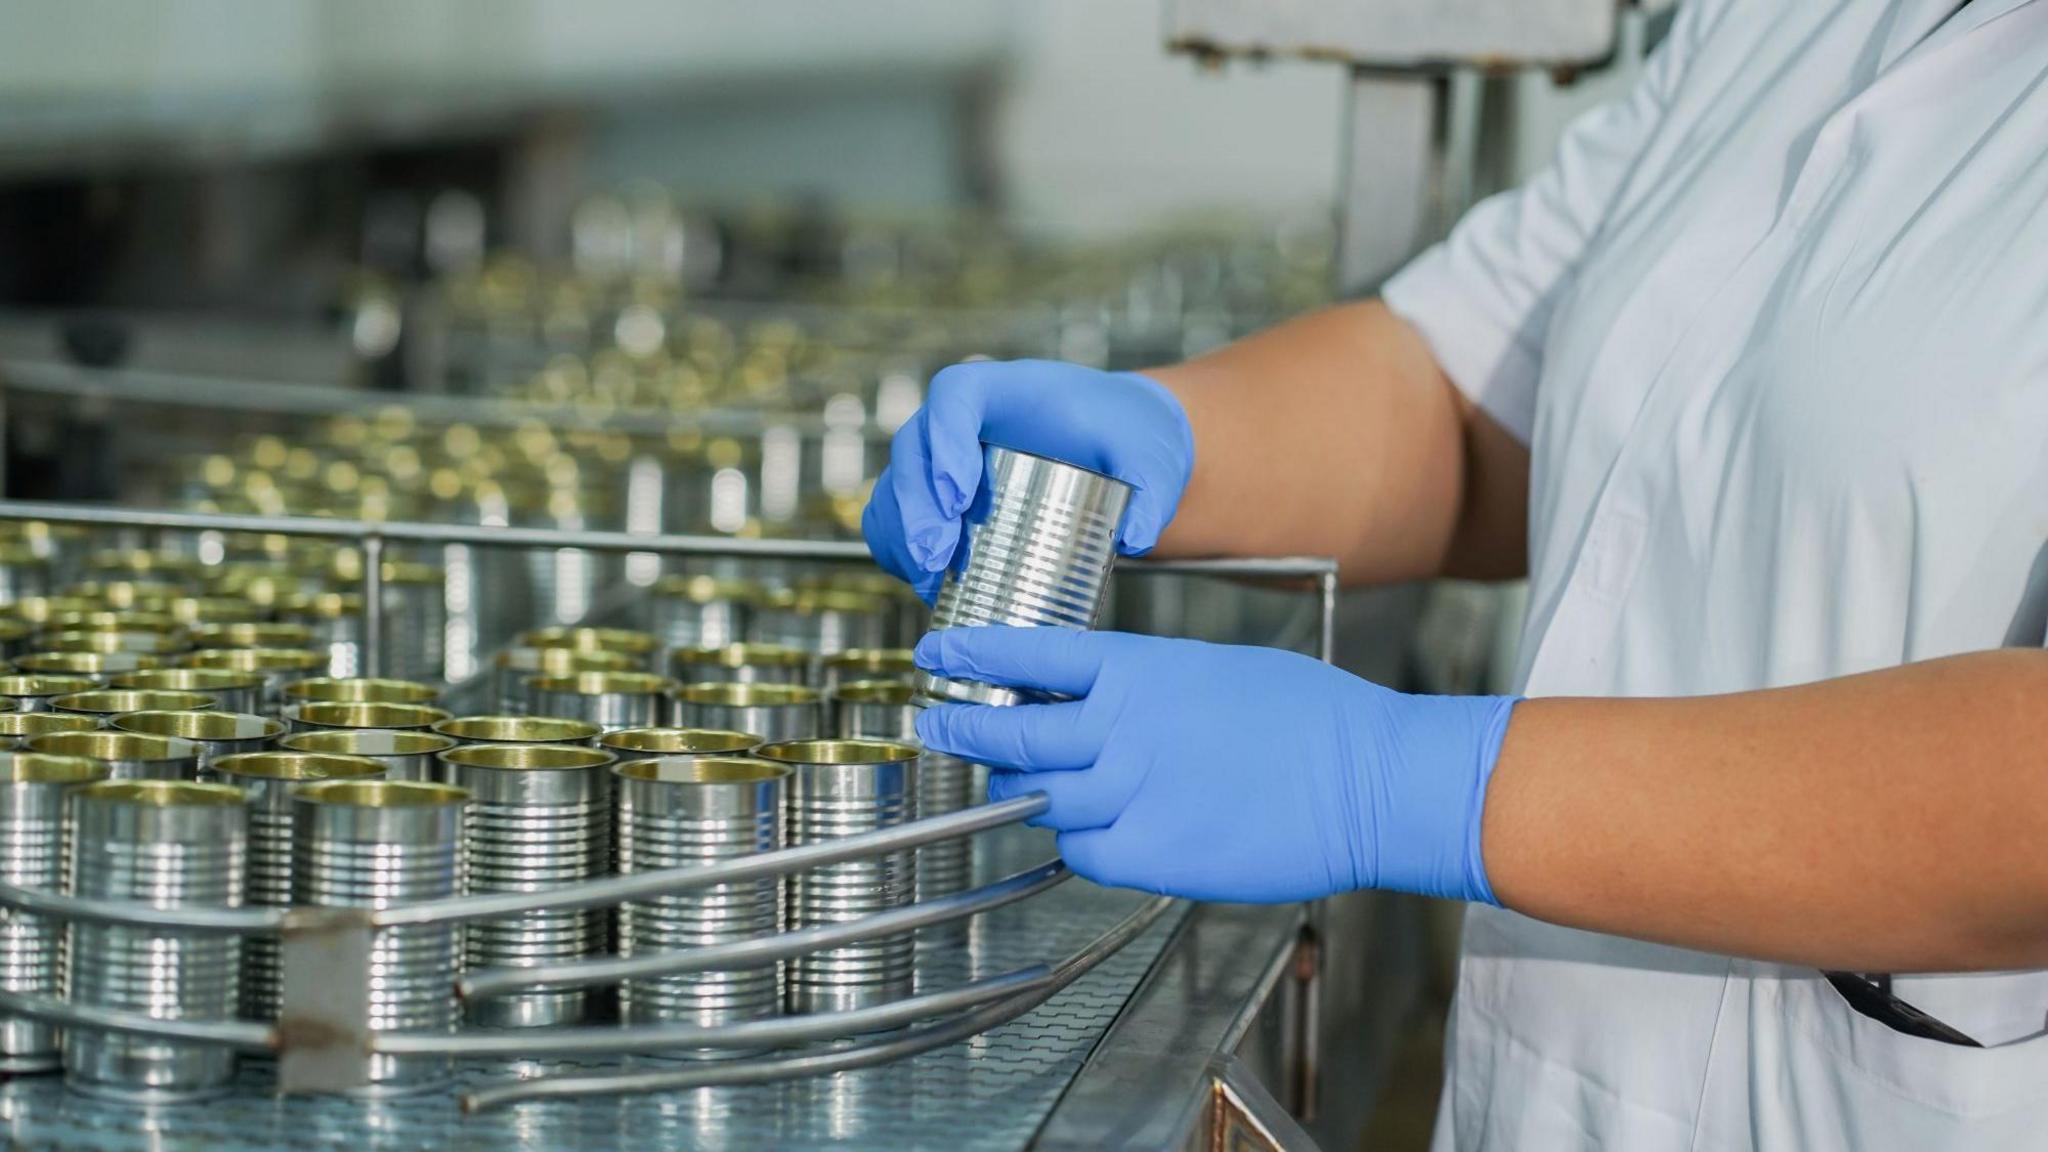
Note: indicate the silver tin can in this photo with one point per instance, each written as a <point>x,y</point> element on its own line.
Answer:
<point>276,666</point>
<point>515,666</point>
<point>610,700</point>
<point>840,788</point>
<point>641,646</point>
<point>170,844</point>
<point>1039,543</point>
<point>630,744</point>
<point>32,792</point>
<point>886,710</point>
<point>231,691</point>
<point>18,728</point>
<point>103,704</point>
<point>379,844</point>
<point>32,693</point>
<point>691,811</point>
<point>541,818</point>
<point>770,711</point>
<point>865,665</point>
<point>99,666</point>
<point>127,755</point>
<point>393,717</point>
<point>218,734</point>
<point>823,621</point>
<point>519,730</point>
<point>412,755</point>
<point>415,620</point>
<point>358,690</point>
<point>256,634</point>
<point>267,780</point>
<point>700,611</point>
<point>335,620</point>
<point>741,664</point>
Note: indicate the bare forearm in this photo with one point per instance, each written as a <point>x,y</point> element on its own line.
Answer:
<point>1337,434</point>
<point>1893,821</point>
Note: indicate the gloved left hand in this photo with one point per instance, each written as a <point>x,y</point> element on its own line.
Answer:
<point>1226,773</point>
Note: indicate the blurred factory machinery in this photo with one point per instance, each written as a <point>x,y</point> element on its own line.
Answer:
<point>487,392</point>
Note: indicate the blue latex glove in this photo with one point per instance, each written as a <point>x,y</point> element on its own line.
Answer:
<point>1122,424</point>
<point>1226,773</point>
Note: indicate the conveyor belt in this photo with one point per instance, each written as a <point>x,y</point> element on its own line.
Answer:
<point>992,1092</point>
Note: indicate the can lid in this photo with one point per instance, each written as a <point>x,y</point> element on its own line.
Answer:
<point>518,729</point>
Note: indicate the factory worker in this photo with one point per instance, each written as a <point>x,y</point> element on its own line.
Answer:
<point>1752,384</point>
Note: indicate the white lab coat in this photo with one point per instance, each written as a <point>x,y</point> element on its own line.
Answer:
<point>1776,329</point>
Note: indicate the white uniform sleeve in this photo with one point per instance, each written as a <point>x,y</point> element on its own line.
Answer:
<point>1482,298</point>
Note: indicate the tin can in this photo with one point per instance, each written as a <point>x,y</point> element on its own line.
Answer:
<point>541,818</point>
<point>169,844</point>
<point>741,664</point>
<point>393,717</point>
<point>336,621</point>
<point>103,704</point>
<point>822,621</point>
<point>276,666</point>
<point>887,710</point>
<point>410,755</point>
<point>32,790</point>
<point>218,734</point>
<point>626,642</point>
<point>230,691</point>
<point>111,643</point>
<point>1039,542</point>
<point>101,666</point>
<point>770,711</point>
<point>33,693</point>
<point>610,700</point>
<point>267,780</point>
<point>415,621</point>
<point>700,611</point>
<point>630,744</point>
<point>261,634</point>
<point>127,755</point>
<point>677,812</point>
<point>866,665</point>
<point>199,611</point>
<point>22,573</point>
<point>17,728</point>
<point>519,730</point>
<point>841,788</point>
<point>382,844</point>
<point>358,690</point>
<point>515,666</point>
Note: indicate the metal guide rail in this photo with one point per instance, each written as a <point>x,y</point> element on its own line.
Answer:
<point>322,1039</point>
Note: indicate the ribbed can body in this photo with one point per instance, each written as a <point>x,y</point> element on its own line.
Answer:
<point>416,627</point>
<point>610,711</point>
<point>32,856</point>
<point>541,818</point>
<point>168,855</point>
<point>707,616</point>
<point>885,711</point>
<point>1040,540</point>
<point>827,801</point>
<point>340,639</point>
<point>353,848</point>
<point>413,756</point>
<point>771,711</point>
<point>741,664</point>
<point>696,811</point>
<point>824,626</point>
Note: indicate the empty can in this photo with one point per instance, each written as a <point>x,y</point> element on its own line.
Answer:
<point>33,693</point>
<point>379,844</point>
<point>32,792</point>
<point>111,643</point>
<point>127,755</point>
<point>515,666</point>
<point>770,711</point>
<point>411,755</point>
<point>630,744</point>
<point>691,811</point>
<point>610,700</point>
<point>865,665</point>
<point>17,728</point>
<point>218,734</point>
<point>259,634</point>
<point>1039,541</point>
<point>541,818</point>
<point>887,710</point>
<point>700,611</point>
<point>100,666</point>
<point>741,664</point>
<point>823,621</point>
<point>329,714</point>
<point>231,691</point>
<point>358,690</point>
<point>840,788</point>
<point>169,844</point>
<point>415,621</point>
<point>277,666</point>
<point>336,622</point>
<point>519,730</point>
<point>103,704</point>
<point>266,780</point>
<point>638,645</point>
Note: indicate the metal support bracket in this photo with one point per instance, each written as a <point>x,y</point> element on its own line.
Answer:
<point>324,1027</point>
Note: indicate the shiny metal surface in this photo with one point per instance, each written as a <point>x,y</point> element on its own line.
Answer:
<point>824,622</point>
<point>416,620</point>
<point>113,643</point>
<point>127,755</point>
<point>610,700</point>
<point>98,665</point>
<point>519,730</point>
<point>103,704</point>
<point>630,744</point>
<point>624,641</point>
<point>541,817</point>
<point>412,755</point>
<point>381,844</point>
<point>277,666</point>
<point>22,573</point>
<point>838,788</point>
<point>741,664</point>
<point>700,611</point>
<point>232,691</point>
<point>770,711</point>
<point>335,620</point>
<point>1039,541</point>
<point>513,667</point>
<point>32,693</point>
<point>14,637</point>
<point>16,728</point>
<point>332,714</point>
<point>682,811</point>
<point>359,690</point>
<point>251,634</point>
<point>170,845</point>
<point>267,780</point>
<point>887,710</point>
<point>218,734</point>
<point>865,664</point>
<point>32,790</point>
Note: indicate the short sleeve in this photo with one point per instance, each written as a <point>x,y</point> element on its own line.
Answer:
<point>1482,298</point>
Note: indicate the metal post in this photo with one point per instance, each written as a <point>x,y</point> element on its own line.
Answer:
<point>1389,157</point>
<point>373,604</point>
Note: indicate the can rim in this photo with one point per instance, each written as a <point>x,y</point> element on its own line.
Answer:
<point>702,771</point>
<point>121,701</point>
<point>192,724</point>
<point>427,742</point>
<point>360,690</point>
<point>297,766</point>
<point>381,794</point>
<point>508,729</point>
<point>677,740</point>
<point>849,751</point>
<point>741,656</point>
<point>161,794</point>
<point>108,744</point>
<point>528,757</point>
<point>890,692</point>
<point>46,768</point>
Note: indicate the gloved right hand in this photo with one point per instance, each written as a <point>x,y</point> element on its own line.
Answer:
<point>1122,424</point>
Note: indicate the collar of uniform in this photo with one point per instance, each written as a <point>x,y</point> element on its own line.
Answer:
<point>1920,26</point>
